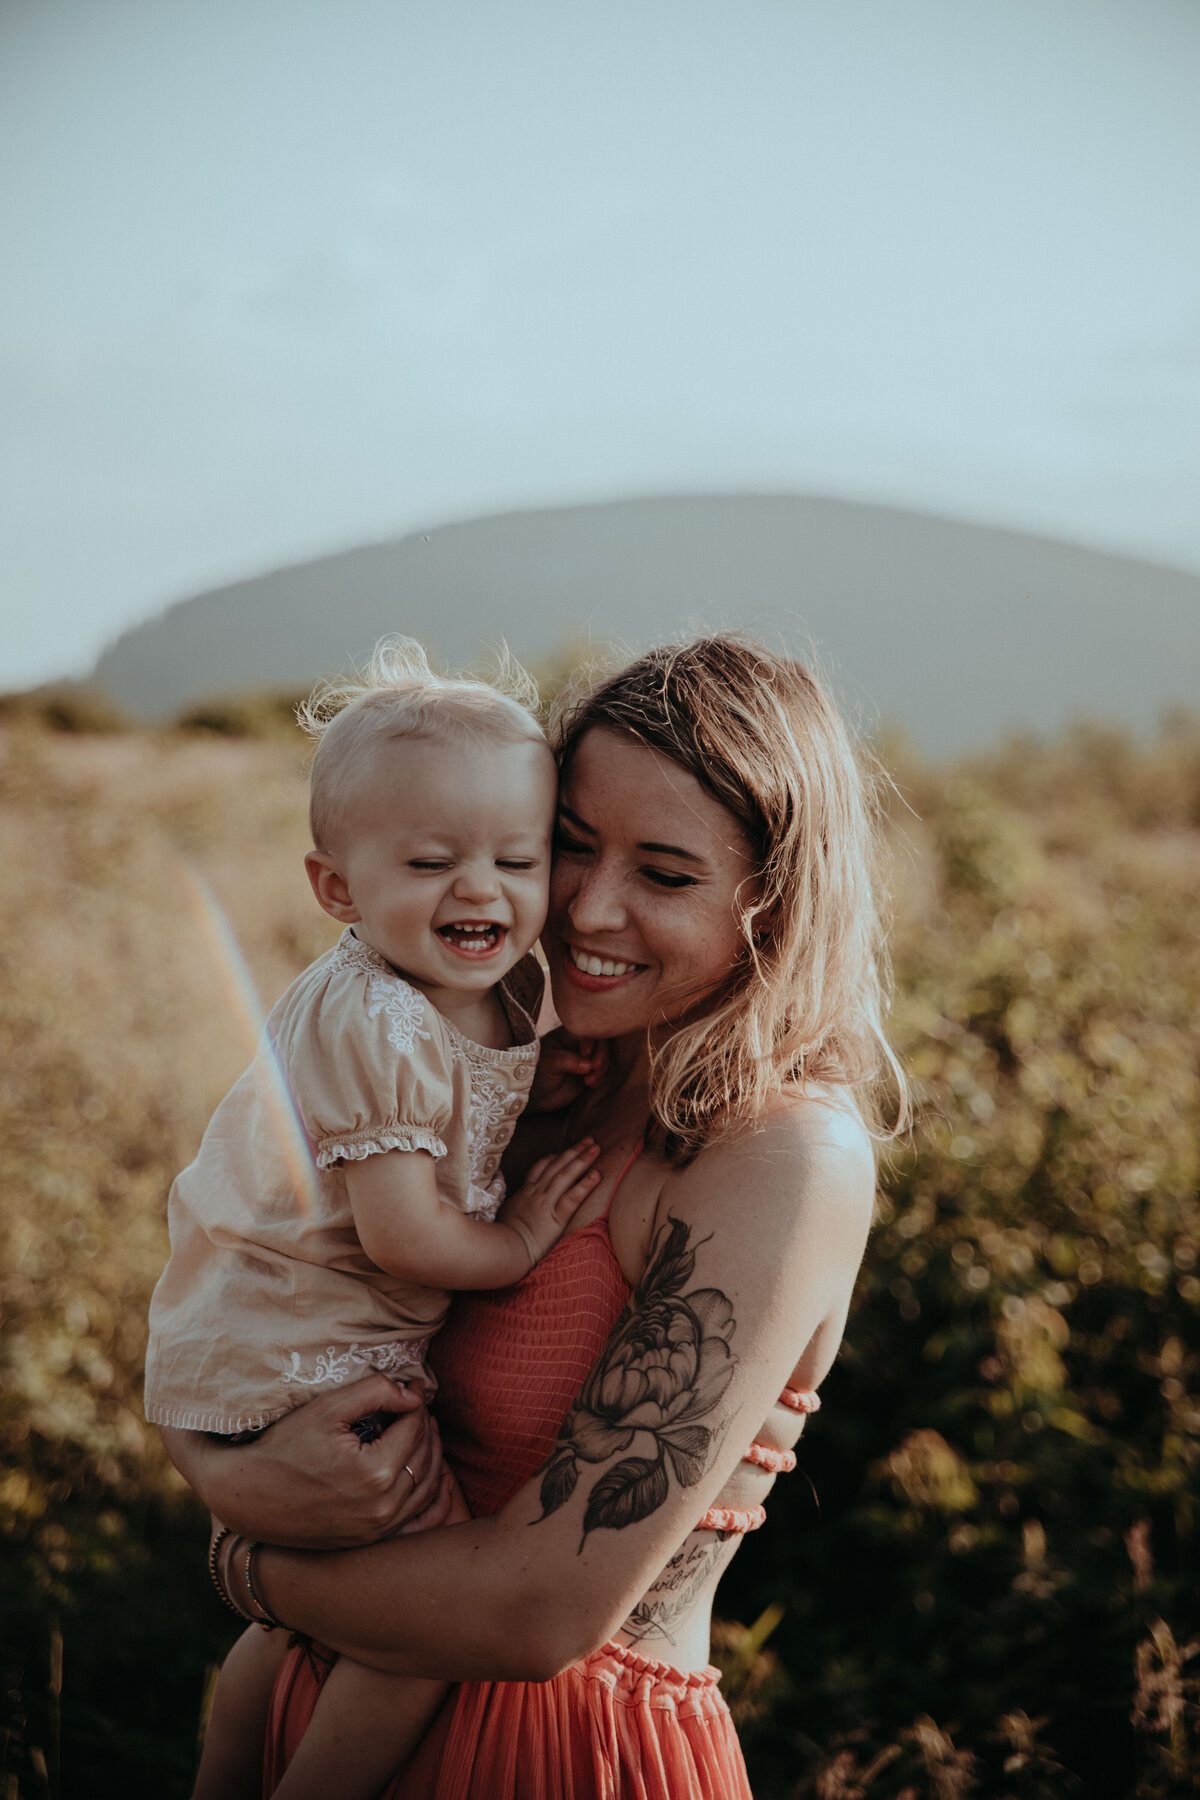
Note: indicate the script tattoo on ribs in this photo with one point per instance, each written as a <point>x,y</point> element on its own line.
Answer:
<point>663,1372</point>
<point>673,1595</point>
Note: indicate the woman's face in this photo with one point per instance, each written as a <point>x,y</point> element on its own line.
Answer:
<point>650,874</point>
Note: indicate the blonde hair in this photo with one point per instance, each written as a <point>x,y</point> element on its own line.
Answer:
<point>805,1002</point>
<point>398,695</point>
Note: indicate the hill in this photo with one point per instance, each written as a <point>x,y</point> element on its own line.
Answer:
<point>958,632</point>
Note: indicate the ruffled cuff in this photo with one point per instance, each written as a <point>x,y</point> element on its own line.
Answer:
<point>356,1146</point>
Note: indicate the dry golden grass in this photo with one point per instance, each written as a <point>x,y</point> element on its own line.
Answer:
<point>120,1028</point>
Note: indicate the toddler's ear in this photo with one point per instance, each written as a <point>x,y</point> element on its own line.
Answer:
<point>330,887</point>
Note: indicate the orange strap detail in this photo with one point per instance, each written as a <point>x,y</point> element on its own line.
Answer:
<point>732,1518</point>
<point>775,1462</point>
<point>625,1168</point>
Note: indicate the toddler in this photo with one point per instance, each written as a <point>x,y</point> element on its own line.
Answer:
<point>403,1057</point>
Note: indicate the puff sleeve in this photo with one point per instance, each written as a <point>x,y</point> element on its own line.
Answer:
<point>371,1072</point>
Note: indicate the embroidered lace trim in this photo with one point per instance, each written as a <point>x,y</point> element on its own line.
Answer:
<point>485,1202</point>
<point>225,1424</point>
<point>336,1366</point>
<point>355,1146</point>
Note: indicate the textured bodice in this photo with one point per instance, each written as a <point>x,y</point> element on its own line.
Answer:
<point>510,1363</point>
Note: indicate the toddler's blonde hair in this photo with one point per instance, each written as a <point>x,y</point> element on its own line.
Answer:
<point>805,1001</point>
<point>398,695</point>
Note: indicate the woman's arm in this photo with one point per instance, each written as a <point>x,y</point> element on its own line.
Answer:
<point>755,1250</point>
<point>311,1481</point>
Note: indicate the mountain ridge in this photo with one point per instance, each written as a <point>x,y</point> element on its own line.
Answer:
<point>957,631</point>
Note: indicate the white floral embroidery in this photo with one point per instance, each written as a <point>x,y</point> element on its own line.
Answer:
<point>404,1007</point>
<point>484,1202</point>
<point>386,992</point>
<point>336,1366</point>
<point>489,1128</point>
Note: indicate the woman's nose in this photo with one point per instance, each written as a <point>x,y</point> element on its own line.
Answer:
<point>596,904</point>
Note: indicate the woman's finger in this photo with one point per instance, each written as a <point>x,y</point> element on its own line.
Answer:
<point>374,1393</point>
<point>438,1510</point>
<point>415,1476</point>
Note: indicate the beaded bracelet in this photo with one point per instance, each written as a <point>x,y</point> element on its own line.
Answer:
<point>214,1551</point>
<point>263,1616</point>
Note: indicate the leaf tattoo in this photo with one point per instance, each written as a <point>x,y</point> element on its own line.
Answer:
<point>664,1370</point>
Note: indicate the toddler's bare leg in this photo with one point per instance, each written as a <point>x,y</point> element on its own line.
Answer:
<point>231,1763</point>
<point>364,1728</point>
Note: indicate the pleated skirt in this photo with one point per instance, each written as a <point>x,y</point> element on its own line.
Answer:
<point>615,1726</point>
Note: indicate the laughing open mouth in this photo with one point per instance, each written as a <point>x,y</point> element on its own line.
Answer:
<point>473,938</point>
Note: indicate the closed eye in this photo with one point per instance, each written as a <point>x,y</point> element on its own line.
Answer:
<point>664,878</point>
<point>567,845</point>
<point>429,864</point>
<point>515,862</point>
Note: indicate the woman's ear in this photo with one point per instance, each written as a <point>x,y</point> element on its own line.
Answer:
<point>330,887</point>
<point>761,924</point>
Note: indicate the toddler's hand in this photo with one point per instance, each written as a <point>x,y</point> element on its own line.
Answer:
<point>566,1066</point>
<point>554,1188</point>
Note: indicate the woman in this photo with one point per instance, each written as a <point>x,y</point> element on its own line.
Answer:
<point>713,927</point>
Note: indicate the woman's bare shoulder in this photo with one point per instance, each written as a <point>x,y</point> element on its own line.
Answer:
<point>824,1130</point>
<point>794,1193</point>
<point>810,1142</point>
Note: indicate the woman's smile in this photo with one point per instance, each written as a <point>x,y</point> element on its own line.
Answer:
<point>596,971</point>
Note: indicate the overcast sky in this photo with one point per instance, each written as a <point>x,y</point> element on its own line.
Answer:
<point>282,276</point>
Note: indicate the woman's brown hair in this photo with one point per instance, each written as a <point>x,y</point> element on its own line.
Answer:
<point>805,1002</point>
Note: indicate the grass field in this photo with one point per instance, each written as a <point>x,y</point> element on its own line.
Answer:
<point>998,1594</point>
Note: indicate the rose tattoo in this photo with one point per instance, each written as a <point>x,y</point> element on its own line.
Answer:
<point>663,1370</point>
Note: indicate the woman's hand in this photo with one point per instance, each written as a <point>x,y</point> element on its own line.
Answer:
<point>567,1067</point>
<point>313,1482</point>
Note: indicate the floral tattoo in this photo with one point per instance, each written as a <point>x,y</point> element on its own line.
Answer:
<point>663,1371</point>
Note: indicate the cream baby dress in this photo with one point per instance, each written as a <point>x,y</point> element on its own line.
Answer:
<point>268,1296</point>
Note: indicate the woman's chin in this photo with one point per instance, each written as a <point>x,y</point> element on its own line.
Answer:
<point>593,1010</point>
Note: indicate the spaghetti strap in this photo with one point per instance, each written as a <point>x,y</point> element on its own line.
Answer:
<point>625,1168</point>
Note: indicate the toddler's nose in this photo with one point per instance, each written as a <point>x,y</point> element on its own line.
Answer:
<point>478,882</point>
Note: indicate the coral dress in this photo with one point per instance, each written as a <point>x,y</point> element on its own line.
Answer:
<point>616,1725</point>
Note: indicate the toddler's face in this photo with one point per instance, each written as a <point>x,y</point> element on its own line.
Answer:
<point>444,855</point>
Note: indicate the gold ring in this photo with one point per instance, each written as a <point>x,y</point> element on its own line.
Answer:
<point>408,1471</point>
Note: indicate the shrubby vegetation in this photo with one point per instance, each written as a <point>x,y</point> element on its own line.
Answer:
<point>982,1581</point>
